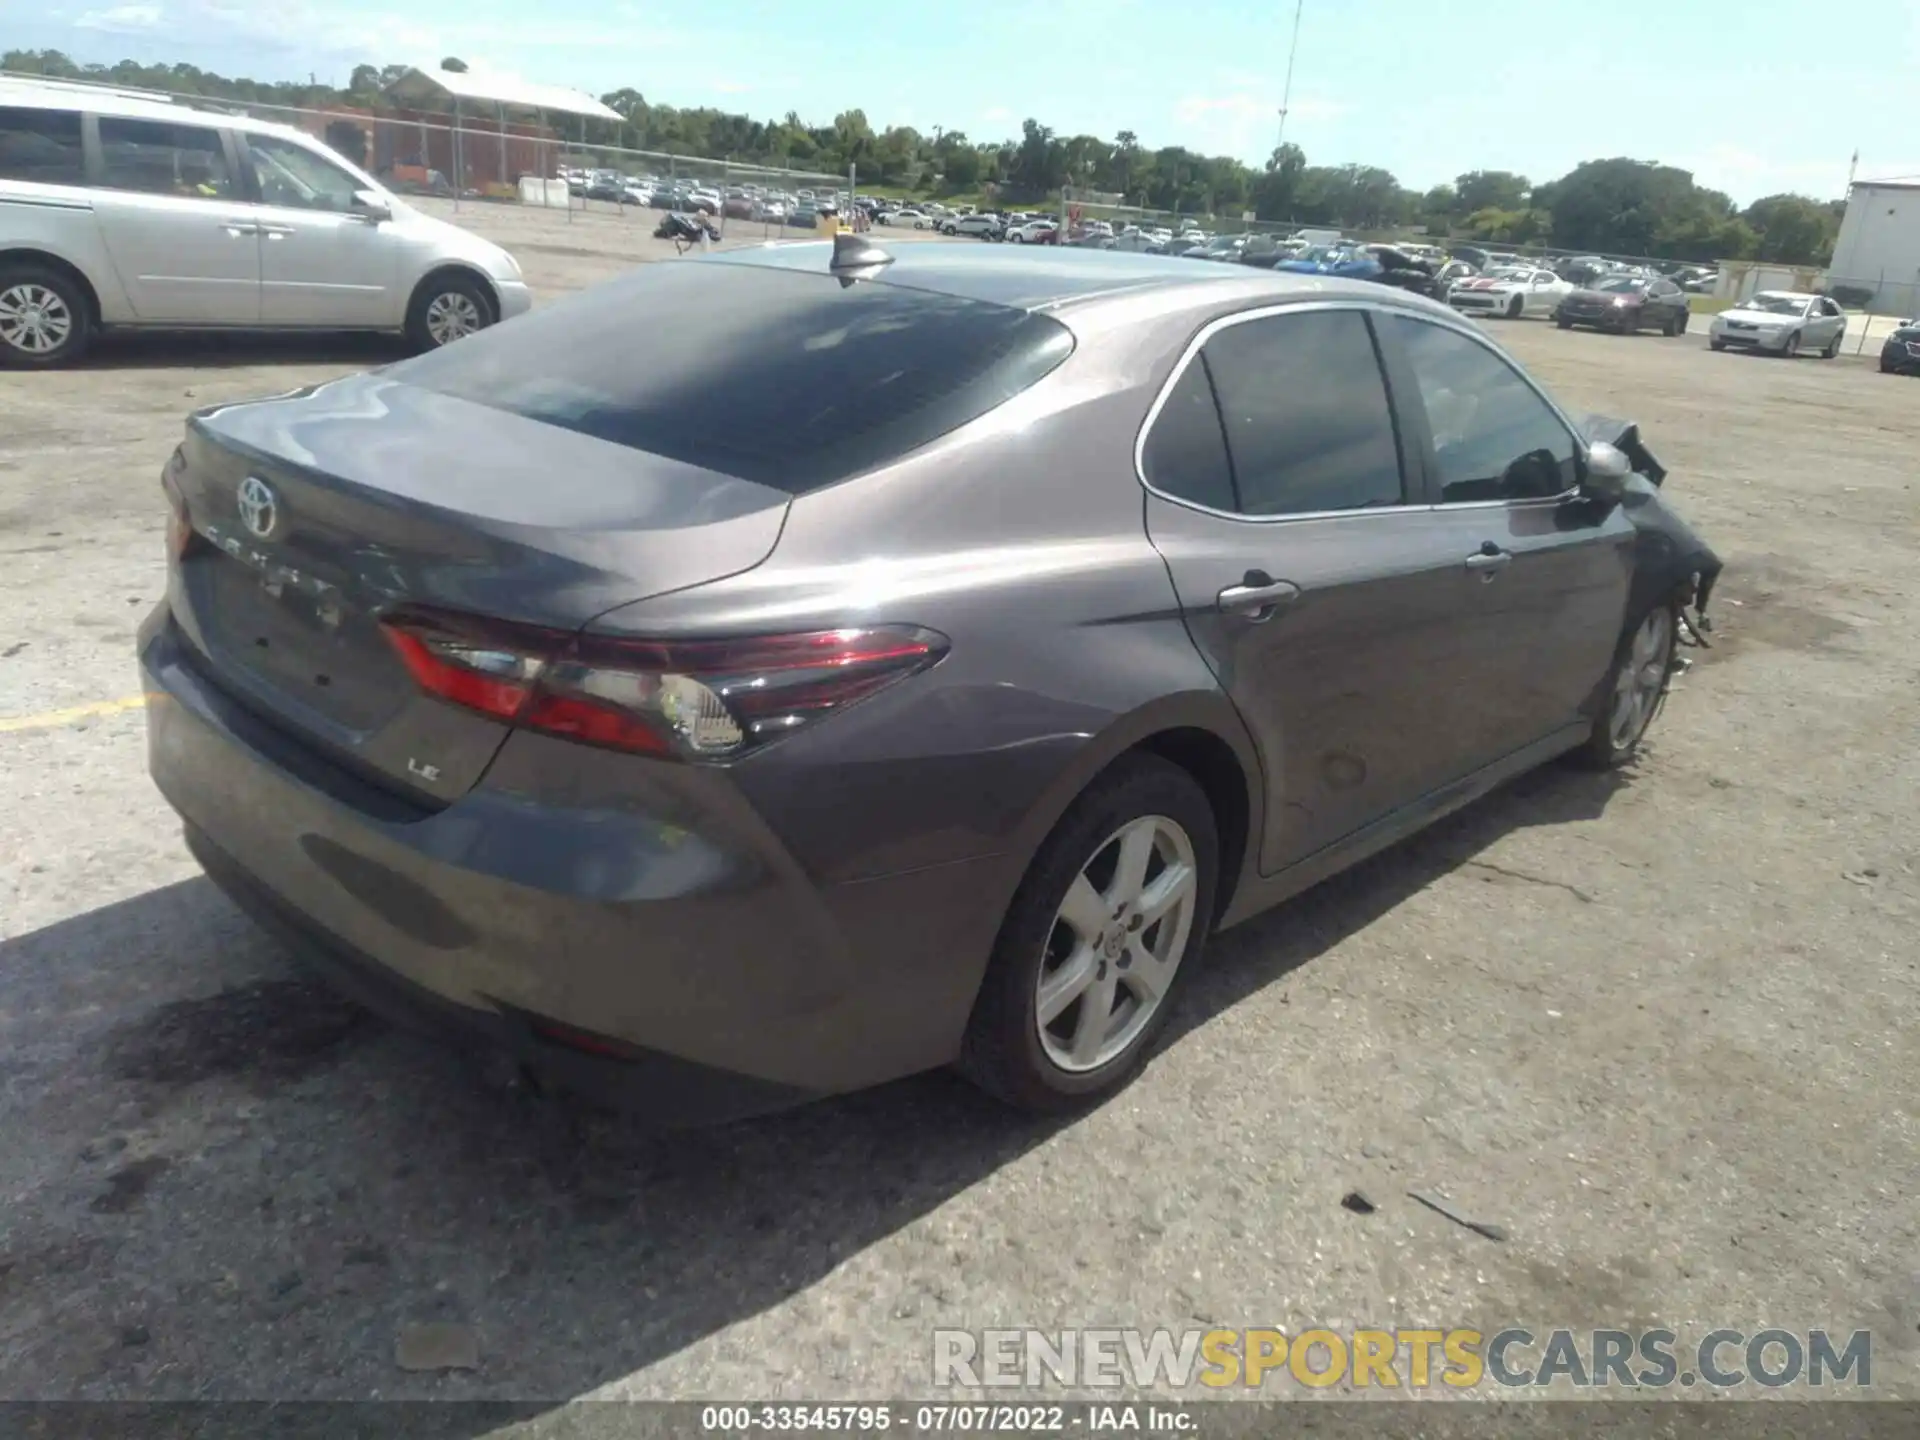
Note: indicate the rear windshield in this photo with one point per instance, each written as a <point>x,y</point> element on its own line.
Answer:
<point>780,376</point>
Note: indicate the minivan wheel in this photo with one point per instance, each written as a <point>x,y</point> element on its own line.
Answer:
<point>1630,695</point>
<point>44,317</point>
<point>1111,917</point>
<point>448,308</point>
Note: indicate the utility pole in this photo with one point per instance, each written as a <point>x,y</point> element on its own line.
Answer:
<point>1286,93</point>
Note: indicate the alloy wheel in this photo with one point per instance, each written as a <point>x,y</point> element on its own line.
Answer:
<point>451,316</point>
<point>1116,943</point>
<point>1643,675</point>
<point>34,319</point>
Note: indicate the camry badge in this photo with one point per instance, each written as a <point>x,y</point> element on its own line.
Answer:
<point>259,508</point>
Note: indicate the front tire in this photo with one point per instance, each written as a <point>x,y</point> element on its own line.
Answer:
<point>1112,916</point>
<point>1563,322</point>
<point>447,308</point>
<point>45,318</point>
<point>1631,693</point>
<point>1514,307</point>
<point>1791,350</point>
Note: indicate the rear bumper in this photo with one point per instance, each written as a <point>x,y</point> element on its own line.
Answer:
<point>655,949</point>
<point>666,1089</point>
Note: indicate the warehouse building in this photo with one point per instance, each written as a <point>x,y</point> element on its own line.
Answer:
<point>1878,250</point>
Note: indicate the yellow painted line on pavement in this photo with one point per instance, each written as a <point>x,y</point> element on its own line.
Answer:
<point>72,715</point>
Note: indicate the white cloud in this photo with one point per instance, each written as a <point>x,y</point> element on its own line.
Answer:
<point>123,19</point>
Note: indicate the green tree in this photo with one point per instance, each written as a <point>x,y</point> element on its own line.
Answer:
<point>1039,167</point>
<point>1617,205</point>
<point>1490,190</point>
<point>455,64</point>
<point>1792,229</point>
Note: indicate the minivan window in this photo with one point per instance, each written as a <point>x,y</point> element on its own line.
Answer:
<point>162,158</point>
<point>1494,438</point>
<point>41,145</point>
<point>1186,451</point>
<point>293,175</point>
<point>782,376</point>
<point>1305,406</point>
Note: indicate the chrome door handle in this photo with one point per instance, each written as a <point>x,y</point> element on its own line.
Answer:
<point>1489,563</point>
<point>239,229</point>
<point>1259,598</point>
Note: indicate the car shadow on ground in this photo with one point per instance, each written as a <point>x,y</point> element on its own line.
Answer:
<point>265,1186</point>
<point>233,349</point>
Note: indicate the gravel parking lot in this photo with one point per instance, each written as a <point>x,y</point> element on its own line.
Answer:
<point>1657,1026</point>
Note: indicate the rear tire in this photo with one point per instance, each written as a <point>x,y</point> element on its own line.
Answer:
<point>446,308</point>
<point>1108,945</point>
<point>1630,694</point>
<point>1832,350</point>
<point>1562,323</point>
<point>46,318</point>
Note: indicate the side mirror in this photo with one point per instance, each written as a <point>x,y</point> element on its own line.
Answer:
<point>371,206</point>
<point>1607,470</point>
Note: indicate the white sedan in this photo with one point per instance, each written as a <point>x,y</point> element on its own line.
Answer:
<point>1784,322</point>
<point>1512,292</point>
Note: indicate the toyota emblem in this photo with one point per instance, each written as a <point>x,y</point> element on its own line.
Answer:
<point>259,508</point>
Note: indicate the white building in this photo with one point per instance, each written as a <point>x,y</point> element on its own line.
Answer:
<point>1879,246</point>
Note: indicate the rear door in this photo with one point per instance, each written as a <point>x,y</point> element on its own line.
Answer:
<point>1538,586</point>
<point>321,263</point>
<point>1307,566</point>
<point>172,212</point>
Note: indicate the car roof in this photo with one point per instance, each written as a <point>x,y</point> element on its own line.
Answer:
<point>50,94</point>
<point>1801,295</point>
<point>1068,278</point>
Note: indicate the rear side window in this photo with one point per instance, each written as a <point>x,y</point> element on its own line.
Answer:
<point>41,145</point>
<point>782,376</point>
<point>1186,451</point>
<point>1305,407</point>
<point>187,162</point>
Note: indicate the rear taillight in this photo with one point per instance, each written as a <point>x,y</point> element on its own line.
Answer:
<point>696,699</point>
<point>179,524</point>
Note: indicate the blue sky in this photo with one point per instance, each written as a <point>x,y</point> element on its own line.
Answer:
<point>1754,96</point>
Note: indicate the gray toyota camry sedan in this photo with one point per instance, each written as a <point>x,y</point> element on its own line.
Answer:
<point>769,674</point>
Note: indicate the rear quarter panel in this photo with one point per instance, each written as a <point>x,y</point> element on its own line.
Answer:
<point>1020,537</point>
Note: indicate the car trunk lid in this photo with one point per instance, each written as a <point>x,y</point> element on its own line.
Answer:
<point>319,513</point>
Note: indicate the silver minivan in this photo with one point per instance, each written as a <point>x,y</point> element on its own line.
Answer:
<point>121,209</point>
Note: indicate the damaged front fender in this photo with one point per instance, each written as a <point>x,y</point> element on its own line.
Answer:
<point>1670,560</point>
